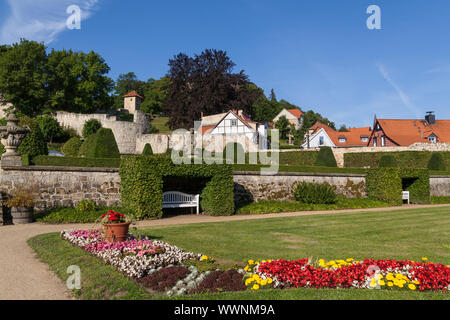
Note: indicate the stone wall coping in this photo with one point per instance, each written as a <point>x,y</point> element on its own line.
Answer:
<point>320,174</point>
<point>60,168</point>
<point>440,176</point>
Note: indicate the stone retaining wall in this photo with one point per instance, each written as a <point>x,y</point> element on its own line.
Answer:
<point>64,186</point>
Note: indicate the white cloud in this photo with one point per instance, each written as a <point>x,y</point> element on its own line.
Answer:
<point>40,20</point>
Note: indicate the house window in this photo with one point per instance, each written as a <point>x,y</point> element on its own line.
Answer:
<point>375,142</point>
<point>383,141</point>
<point>233,123</point>
<point>364,139</point>
<point>342,140</point>
<point>432,138</point>
<point>321,141</point>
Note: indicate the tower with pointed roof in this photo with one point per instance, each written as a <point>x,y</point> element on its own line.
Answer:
<point>132,102</point>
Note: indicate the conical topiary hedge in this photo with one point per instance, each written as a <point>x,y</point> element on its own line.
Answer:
<point>325,158</point>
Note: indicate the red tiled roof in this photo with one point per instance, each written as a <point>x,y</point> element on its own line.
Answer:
<point>205,129</point>
<point>296,112</point>
<point>406,132</point>
<point>352,137</point>
<point>132,94</point>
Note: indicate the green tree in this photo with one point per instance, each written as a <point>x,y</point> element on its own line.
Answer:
<point>50,128</point>
<point>283,126</point>
<point>273,97</point>
<point>148,151</point>
<point>91,127</point>
<point>23,76</point>
<point>33,144</point>
<point>126,83</point>
<point>343,128</point>
<point>155,95</point>
<point>309,119</point>
<point>71,147</point>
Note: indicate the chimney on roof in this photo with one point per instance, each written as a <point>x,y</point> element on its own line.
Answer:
<point>430,117</point>
<point>240,113</point>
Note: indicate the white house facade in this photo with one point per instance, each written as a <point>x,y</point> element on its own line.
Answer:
<point>294,116</point>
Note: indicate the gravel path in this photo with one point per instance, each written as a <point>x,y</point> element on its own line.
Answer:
<point>23,277</point>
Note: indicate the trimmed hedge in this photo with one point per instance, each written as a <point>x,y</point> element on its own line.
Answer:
<point>388,161</point>
<point>148,151</point>
<point>87,145</point>
<point>103,145</point>
<point>436,162</point>
<point>387,184</point>
<point>142,184</point>
<point>34,143</point>
<point>72,147</point>
<point>91,127</point>
<point>75,162</point>
<point>325,158</point>
<point>405,159</point>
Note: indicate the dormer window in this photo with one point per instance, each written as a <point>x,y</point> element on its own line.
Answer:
<point>342,140</point>
<point>364,139</point>
<point>432,138</point>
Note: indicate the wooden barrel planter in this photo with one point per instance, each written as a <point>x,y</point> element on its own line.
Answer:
<point>22,215</point>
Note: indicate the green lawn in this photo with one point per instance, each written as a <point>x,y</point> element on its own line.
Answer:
<point>404,234</point>
<point>160,123</point>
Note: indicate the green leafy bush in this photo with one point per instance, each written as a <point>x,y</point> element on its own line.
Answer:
<point>72,215</point>
<point>325,158</point>
<point>91,127</point>
<point>142,184</point>
<point>86,145</point>
<point>71,147</point>
<point>33,144</point>
<point>234,153</point>
<point>147,150</point>
<point>388,161</point>
<point>86,205</point>
<point>49,126</point>
<point>436,162</point>
<point>76,162</point>
<point>315,193</point>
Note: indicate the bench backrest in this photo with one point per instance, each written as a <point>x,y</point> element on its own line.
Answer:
<point>405,195</point>
<point>179,197</point>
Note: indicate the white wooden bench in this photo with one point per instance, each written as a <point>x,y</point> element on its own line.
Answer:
<point>175,199</point>
<point>405,196</point>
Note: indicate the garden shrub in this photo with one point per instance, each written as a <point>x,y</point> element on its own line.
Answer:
<point>91,127</point>
<point>33,144</point>
<point>86,145</point>
<point>72,147</point>
<point>315,193</point>
<point>148,151</point>
<point>325,158</point>
<point>86,205</point>
<point>388,161</point>
<point>102,145</point>
<point>49,126</point>
<point>142,184</point>
<point>76,162</point>
<point>387,184</point>
<point>436,162</point>
<point>219,281</point>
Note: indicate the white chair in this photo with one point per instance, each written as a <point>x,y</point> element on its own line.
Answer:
<point>405,196</point>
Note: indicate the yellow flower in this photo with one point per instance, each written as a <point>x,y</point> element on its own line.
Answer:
<point>251,262</point>
<point>424,259</point>
<point>269,281</point>
<point>390,276</point>
<point>416,282</point>
<point>349,259</point>
<point>400,285</point>
<point>204,258</point>
<point>390,284</point>
<point>412,287</point>
<point>264,282</point>
<point>382,283</point>
<point>255,287</point>
<point>379,276</point>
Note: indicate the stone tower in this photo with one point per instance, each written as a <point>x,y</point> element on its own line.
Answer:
<point>132,102</point>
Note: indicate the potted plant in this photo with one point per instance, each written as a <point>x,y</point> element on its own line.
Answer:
<point>22,203</point>
<point>116,225</point>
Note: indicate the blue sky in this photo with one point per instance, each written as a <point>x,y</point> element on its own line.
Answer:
<point>316,54</point>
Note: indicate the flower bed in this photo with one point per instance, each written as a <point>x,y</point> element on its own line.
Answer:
<point>166,268</point>
<point>133,257</point>
<point>369,274</point>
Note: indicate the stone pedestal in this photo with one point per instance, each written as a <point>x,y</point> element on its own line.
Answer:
<point>11,161</point>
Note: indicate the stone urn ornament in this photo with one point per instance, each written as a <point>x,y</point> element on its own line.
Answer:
<point>11,137</point>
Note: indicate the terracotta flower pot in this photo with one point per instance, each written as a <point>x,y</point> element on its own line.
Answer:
<point>116,232</point>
